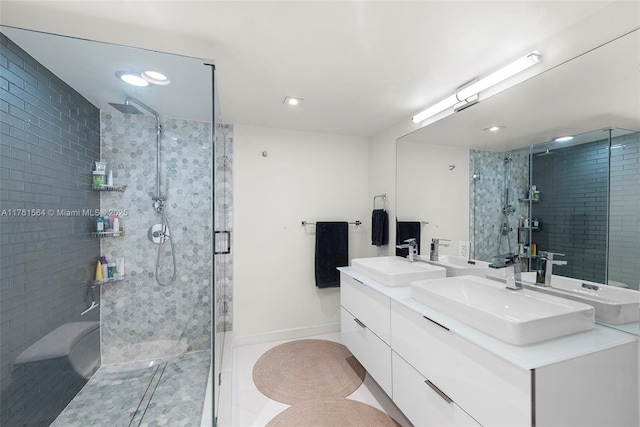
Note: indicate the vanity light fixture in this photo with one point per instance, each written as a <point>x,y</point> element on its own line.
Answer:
<point>563,138</point>
<point>289,100</point>
<point>467,95</point>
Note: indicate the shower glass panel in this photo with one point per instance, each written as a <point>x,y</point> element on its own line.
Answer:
<point>573,183</point>
<point>138,331</point>
<point>624,211</point>
<point>223,225</point>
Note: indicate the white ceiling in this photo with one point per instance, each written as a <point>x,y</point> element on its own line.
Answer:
<point>361,67</point>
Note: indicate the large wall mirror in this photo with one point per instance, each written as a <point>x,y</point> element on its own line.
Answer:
<point>525,192</point>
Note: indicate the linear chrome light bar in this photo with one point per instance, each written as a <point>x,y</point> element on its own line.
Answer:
<point>470,92</point>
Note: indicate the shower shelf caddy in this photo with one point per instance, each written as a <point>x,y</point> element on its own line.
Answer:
<point>120,188</point>
<point>101,234</point>
<point>109,280</point>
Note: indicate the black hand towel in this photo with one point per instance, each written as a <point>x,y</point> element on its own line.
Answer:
<point>407,230</point>
<point>379,227</point>
<point>332,251</point>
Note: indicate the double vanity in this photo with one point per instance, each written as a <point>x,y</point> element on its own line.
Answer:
<point>454,348</point>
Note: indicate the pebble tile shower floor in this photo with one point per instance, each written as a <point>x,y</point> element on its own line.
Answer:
<point>168,391</point>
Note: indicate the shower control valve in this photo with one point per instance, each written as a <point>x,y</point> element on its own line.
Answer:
<point>158,233</point>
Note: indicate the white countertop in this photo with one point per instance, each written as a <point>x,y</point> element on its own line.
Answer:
<point>526,356</point>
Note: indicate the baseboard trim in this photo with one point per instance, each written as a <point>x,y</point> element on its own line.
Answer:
<point>286,334</point>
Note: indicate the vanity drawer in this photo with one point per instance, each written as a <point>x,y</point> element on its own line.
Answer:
<point>421,402</point>
<point>369,306</point>
<point>371,351</point>
<point>492,390</point>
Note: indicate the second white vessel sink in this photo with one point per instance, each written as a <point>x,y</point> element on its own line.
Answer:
<point>516,317</point>
<point>396,271</point>
<point>459,266</point>
<point>612,304</point>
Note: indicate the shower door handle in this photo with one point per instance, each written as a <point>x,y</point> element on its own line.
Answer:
<point>228,243</point>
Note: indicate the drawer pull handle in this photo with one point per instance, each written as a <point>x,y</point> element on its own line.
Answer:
<point>360,323</point>
<point>433,321</point>
<point>437,390</point>
<point>362,283</point>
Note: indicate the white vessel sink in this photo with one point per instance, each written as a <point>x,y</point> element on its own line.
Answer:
<point>516,317</point>
<point>396,271</point>
<point>612,304</point>
<point>459,266</point>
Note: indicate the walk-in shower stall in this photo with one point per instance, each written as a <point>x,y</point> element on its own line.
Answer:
<point>113,307</point>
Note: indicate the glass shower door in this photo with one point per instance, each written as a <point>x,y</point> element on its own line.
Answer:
<point>223,258</point>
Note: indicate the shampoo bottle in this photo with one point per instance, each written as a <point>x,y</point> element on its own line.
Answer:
<point>99,275</point>
<point>116,227</point>
<point>105,268</point>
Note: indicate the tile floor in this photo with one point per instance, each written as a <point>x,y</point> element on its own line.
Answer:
<point>168,391</point>
<point>252,408</point>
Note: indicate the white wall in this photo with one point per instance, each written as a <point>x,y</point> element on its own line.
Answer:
<point>305,176</point>
<point>428,190</point>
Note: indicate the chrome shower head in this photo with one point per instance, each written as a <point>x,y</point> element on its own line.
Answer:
<point>126,108</point>
<point>546,153</point>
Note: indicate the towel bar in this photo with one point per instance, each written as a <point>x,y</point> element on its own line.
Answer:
<point>313,223</point>
<point>384,201</point>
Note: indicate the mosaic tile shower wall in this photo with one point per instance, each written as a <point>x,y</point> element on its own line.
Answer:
<point>141,319</point>
<point>223,221</point>
<point>487,199</point>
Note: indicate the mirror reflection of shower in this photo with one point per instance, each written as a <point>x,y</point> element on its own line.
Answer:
<point>507,209</point>
<point>475,177</point>
<point>158,233</point>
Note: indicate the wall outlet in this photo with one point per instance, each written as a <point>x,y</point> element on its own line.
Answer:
<point>463,249</point>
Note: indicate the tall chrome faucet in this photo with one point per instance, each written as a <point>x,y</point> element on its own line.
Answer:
<point>512,263</point>
<point>435,243</point>
<point>545,267</point>
<point>412,245</point>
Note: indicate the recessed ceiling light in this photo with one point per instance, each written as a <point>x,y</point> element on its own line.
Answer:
<point>494,128</point>
<point>564,138</point>
<point>156,78</point>
<point>131,78</point>
<point>289,100</point>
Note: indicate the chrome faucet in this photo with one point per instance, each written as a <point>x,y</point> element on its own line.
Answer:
<point>433,252</point>
<point>545,267</point>
<point>412,245</point>
<point>512,263</point>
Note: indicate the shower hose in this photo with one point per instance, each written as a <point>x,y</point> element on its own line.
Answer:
<point>166,226</point>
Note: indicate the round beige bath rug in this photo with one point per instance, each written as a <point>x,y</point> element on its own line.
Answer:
<point>332,413</point>
<point>303,370</point>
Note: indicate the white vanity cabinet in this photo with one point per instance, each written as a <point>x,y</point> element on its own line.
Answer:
<point>365,328</point>
<point>442,373</point>
<point>491,390</point>
<point>594,389</point>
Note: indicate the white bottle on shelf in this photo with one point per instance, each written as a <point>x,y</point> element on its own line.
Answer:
<point>116,227</point>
